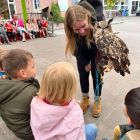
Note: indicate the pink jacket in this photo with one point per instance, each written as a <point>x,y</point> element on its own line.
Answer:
<point>50,122</point>
<point>20,23</point>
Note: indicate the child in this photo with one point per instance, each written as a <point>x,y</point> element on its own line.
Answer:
<point>55,114</point>
<point>2,72</point>
<point>132,111</point>
<point>132,135</point>
<point>17,93</point>
<point>10,31</point>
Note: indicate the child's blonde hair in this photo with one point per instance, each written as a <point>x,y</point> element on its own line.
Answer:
<point>59,83</point>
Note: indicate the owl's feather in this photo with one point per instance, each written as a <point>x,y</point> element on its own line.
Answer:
<point>113,52</point>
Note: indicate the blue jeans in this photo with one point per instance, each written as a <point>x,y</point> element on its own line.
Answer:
<point>90,131</point>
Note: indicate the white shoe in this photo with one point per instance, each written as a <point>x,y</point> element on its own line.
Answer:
<point>23,40</point>
<point>33,36</point>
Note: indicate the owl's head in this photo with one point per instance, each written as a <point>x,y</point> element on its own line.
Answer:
<point>103,27</point>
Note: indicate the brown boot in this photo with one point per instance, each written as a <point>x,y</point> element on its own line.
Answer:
<point>85,104</point>
<point>96,110</point>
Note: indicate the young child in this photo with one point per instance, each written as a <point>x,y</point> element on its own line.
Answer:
<point>132,135</point>
<point>55,114</point>
<point>17,93</point>
<point>2,72</point>
<point>132,111</point>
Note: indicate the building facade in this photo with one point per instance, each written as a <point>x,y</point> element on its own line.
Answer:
<point>131,5</point>
<point>7,8</point>
<point>11,7</point>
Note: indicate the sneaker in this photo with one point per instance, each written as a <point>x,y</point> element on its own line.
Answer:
<point>96,110</point>
<point>85,104</point>
<point>33,36</point>
<point>117,132</point>
<point>23,40</point>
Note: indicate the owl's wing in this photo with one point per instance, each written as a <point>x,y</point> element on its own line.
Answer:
<point>113,49</point>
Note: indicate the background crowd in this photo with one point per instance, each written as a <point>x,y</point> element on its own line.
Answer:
<point>15,30</point>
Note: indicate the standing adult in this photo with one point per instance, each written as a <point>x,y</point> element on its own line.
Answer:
<point>79,31</point>
<point>97,6</point>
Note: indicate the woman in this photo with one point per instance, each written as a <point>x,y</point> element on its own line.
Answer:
<point>10,30</point>
<point>44,23</point>
<point>41,30</point>
<point>29,27</point>
<point>35,28</point>
<point>80,43</point>
<point>19,24</point>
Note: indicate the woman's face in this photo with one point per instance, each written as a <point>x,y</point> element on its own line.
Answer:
<point>81,27</point>
<point>34,21</point>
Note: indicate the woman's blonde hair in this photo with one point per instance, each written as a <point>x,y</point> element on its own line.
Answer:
<point>59,83</point>
<point>73,14</point>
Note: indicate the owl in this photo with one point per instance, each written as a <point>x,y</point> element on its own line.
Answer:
<point>112,50</point>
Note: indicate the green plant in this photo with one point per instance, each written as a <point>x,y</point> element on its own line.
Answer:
<point>111,3</point>
<point>56,13</point>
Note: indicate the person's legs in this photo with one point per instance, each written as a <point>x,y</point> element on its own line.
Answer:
<point>84,78</point>
<point>1,39</point>
<point>84,83</point>
<point>11,35</point>
<point>90,131</point>
<point>23,37</point>
<point>43,33</point>
<point>97,81</point>
<point>97,85</point>
<point>6,39</point>
<point>29,34</point>
<point>33,34</point>
<point>45,30</point>
<point>21,33</point>
<point>14,36</point>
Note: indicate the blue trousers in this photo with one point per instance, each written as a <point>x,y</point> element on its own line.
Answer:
<point>90,131</point>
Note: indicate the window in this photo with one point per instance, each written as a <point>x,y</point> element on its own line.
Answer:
<point>11,4</point>
<point>75,1</point>
<point>36,4</point>
<point>12,9</point>
<point>4,12</point>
